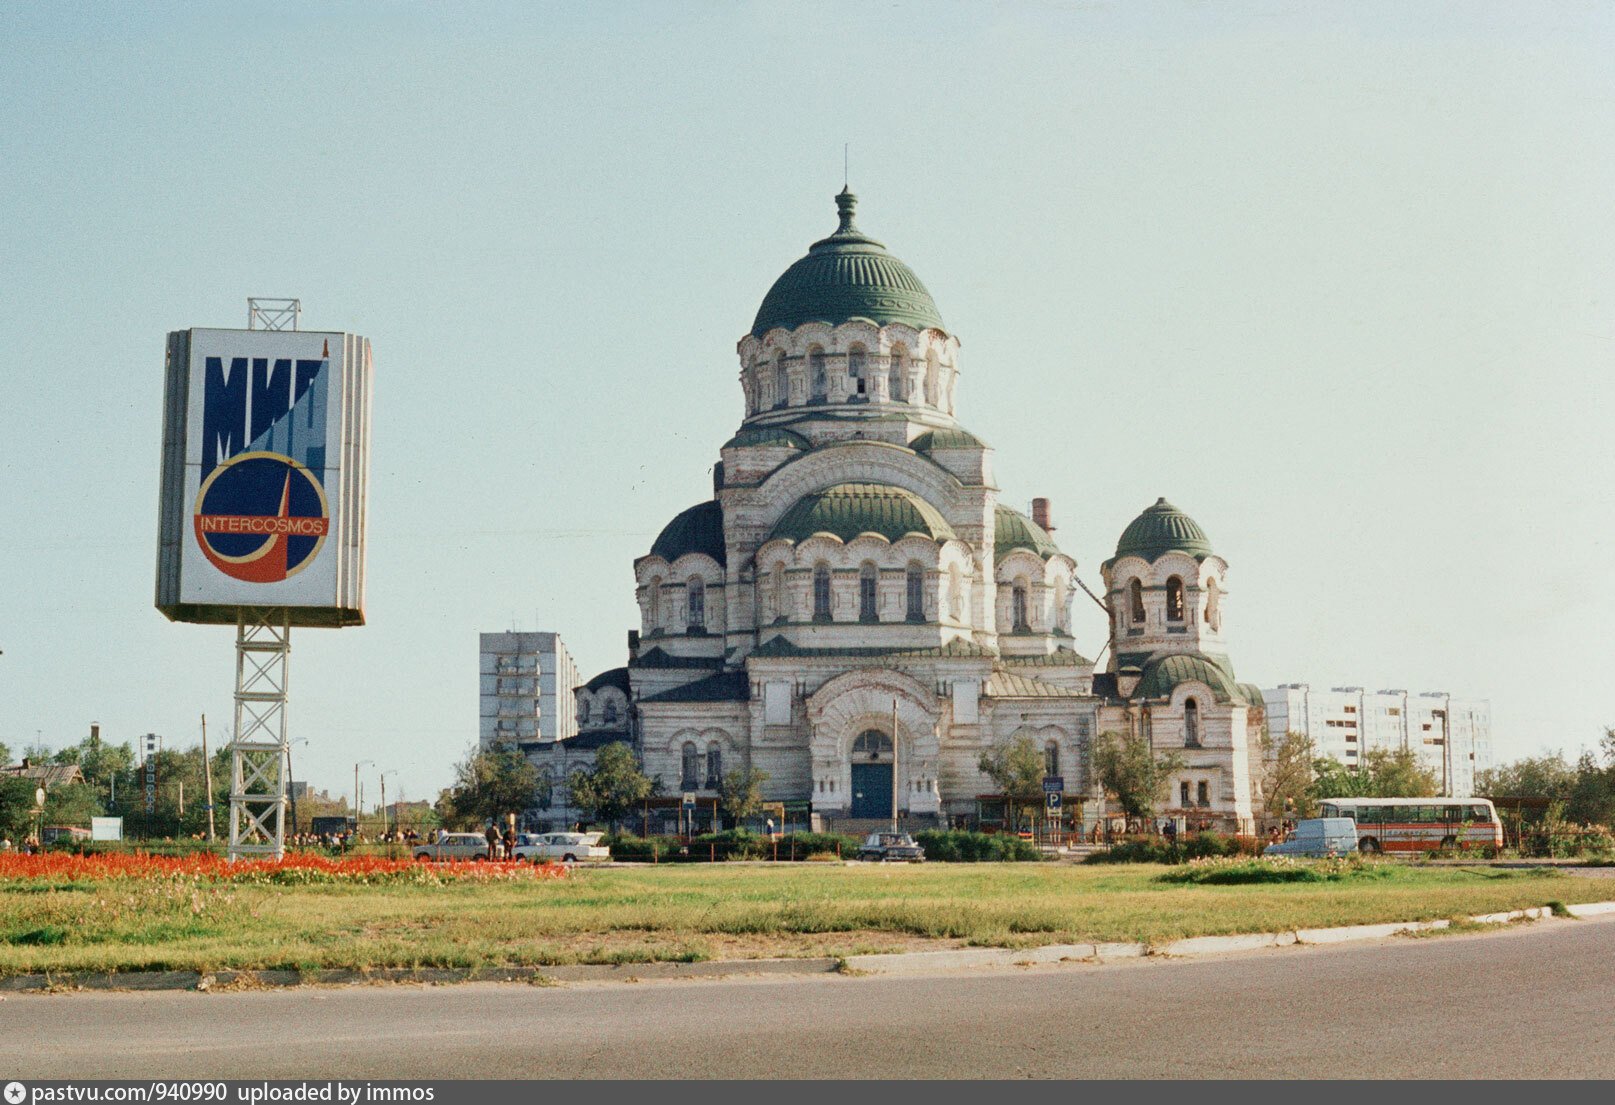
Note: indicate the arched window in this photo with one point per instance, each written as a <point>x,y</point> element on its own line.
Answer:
<point>867,581</point>
<point>817,374</point>
<point>655,602</point>
<point>690,767</point>
<point>872,744</point>
<point>546,784</point>
<point>821,590</point>
<point>1060,599</point>
<point>1191,723</point>
<point>956,593</point>
<point>1051,758</point>
<point>931,380</point>
<point>782,381</point>
<point>695,594</point>
<point>714,765</point>
<point>1214,606</point>
<point>915,578</point>
<point>608,715</point>
<point>583,709</point>
<point>777,586</point>
<point>897,376</point>
<point>1018,607</point>
<point>855,371</point>
<point>1135,600</point>
<point>1174,599</point>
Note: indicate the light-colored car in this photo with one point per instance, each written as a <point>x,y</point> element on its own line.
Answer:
<point>452,846</point>
<point>565,848</point>
<point>892,846</point>
<point>1318,836</point>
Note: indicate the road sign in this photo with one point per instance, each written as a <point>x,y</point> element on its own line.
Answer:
<point>1053,799</point>
<point>1053,783</point>
<point>689,799</point>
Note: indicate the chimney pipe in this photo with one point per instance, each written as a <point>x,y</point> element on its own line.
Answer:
<point>1040,514</point>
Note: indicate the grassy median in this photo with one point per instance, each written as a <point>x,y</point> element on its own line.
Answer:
<point>694,912</point>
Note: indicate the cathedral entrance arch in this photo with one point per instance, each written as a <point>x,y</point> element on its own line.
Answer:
<point>874,737</point>
<point>872,762</point>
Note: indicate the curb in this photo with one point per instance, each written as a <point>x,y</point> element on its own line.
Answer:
<point>892,963</point>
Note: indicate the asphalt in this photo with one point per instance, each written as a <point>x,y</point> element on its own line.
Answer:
<point>1533,1000</point>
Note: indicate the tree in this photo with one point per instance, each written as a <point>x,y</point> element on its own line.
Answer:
<point>5,755</point>
<point>488,784</point>
<point>1016,768</point>
<point>613,787</point>
<point>1287,775</point>
<point>1130,769</point>
<point>1383,774</point>
<point>741,792</point>
<point>17,809</point>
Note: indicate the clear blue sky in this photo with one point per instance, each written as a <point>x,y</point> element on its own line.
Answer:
<point>1335,278</point>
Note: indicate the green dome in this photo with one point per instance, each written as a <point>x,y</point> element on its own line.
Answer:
<point>848,509</point>
<point>776,436</point>
<point>1162,675</point>
<point>847,275</point>
<point>699,529</point>
<point>946,439</point>
<point>1161,529</point>
<point>1014,530</point>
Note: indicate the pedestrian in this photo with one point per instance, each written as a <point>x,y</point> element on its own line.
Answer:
<point>510,842</point>
<point>492,837</point>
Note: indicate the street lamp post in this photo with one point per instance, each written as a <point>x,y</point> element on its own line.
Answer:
<point>357,811</point>
<point>390,771</point>
<point>291,777</point>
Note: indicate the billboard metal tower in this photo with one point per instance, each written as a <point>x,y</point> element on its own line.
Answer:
<point>265,472</point>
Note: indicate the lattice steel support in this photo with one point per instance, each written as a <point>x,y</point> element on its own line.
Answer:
<point>258,752</point>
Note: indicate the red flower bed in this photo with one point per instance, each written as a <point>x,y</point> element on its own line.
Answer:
<point>114,865</point>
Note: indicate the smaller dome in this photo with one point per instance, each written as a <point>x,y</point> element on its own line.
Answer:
<point>849,509</point>
<point>1014,530</point>
<point>777,436</point>
<point>698,530</point>
<point>1161,529</point>
<point>952,438</point>
<point>1162,674</point>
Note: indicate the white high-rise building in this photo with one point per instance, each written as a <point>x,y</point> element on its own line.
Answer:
<point>526,684</point>
<point>1451,736</point>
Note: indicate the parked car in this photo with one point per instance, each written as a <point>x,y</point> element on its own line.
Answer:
<point>1318,836</point>
<point>892,846</point>
<point>565,847</point>
<point>452,846</point>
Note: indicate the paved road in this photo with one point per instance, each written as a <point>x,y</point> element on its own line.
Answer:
<point>1528,1002</point>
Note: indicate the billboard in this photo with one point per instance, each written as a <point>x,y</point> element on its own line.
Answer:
<point>264,472</point>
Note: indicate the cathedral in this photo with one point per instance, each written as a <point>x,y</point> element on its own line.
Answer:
<point>855,612</point>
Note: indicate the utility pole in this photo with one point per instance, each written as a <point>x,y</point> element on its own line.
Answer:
<point>207,778</point>
<point>894,765</point>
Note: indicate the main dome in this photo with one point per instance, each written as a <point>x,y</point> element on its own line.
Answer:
<point>847,275</point>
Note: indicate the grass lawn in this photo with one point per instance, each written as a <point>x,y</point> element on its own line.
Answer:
<point>614,915</point>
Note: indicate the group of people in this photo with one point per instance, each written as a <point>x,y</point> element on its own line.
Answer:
<point>28,847</point>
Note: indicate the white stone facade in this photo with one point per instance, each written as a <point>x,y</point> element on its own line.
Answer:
<point>1451,736</point>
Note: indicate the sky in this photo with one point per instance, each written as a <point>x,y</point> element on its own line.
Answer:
<point>1335,278</point>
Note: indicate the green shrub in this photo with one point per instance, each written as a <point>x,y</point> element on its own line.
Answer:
<point>964,847</point>
<point>1235,871</point>
<point>1197,846</point>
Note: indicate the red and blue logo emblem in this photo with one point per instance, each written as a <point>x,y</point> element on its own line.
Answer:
<point>261,517</point>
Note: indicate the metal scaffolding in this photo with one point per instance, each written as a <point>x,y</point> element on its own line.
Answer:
<point>264,313</point>
<point>258,751</point>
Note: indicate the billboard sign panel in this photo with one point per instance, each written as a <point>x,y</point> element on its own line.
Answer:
<point>265,465</point>
<point>106,828</point>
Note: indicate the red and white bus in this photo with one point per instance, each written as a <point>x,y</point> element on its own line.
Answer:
<point>1418,824</point>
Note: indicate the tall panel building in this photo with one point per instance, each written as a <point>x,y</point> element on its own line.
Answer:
<point>526,684</point>
<point>1451,736</point>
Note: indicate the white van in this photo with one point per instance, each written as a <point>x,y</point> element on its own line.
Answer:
<point>1318,836</point>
